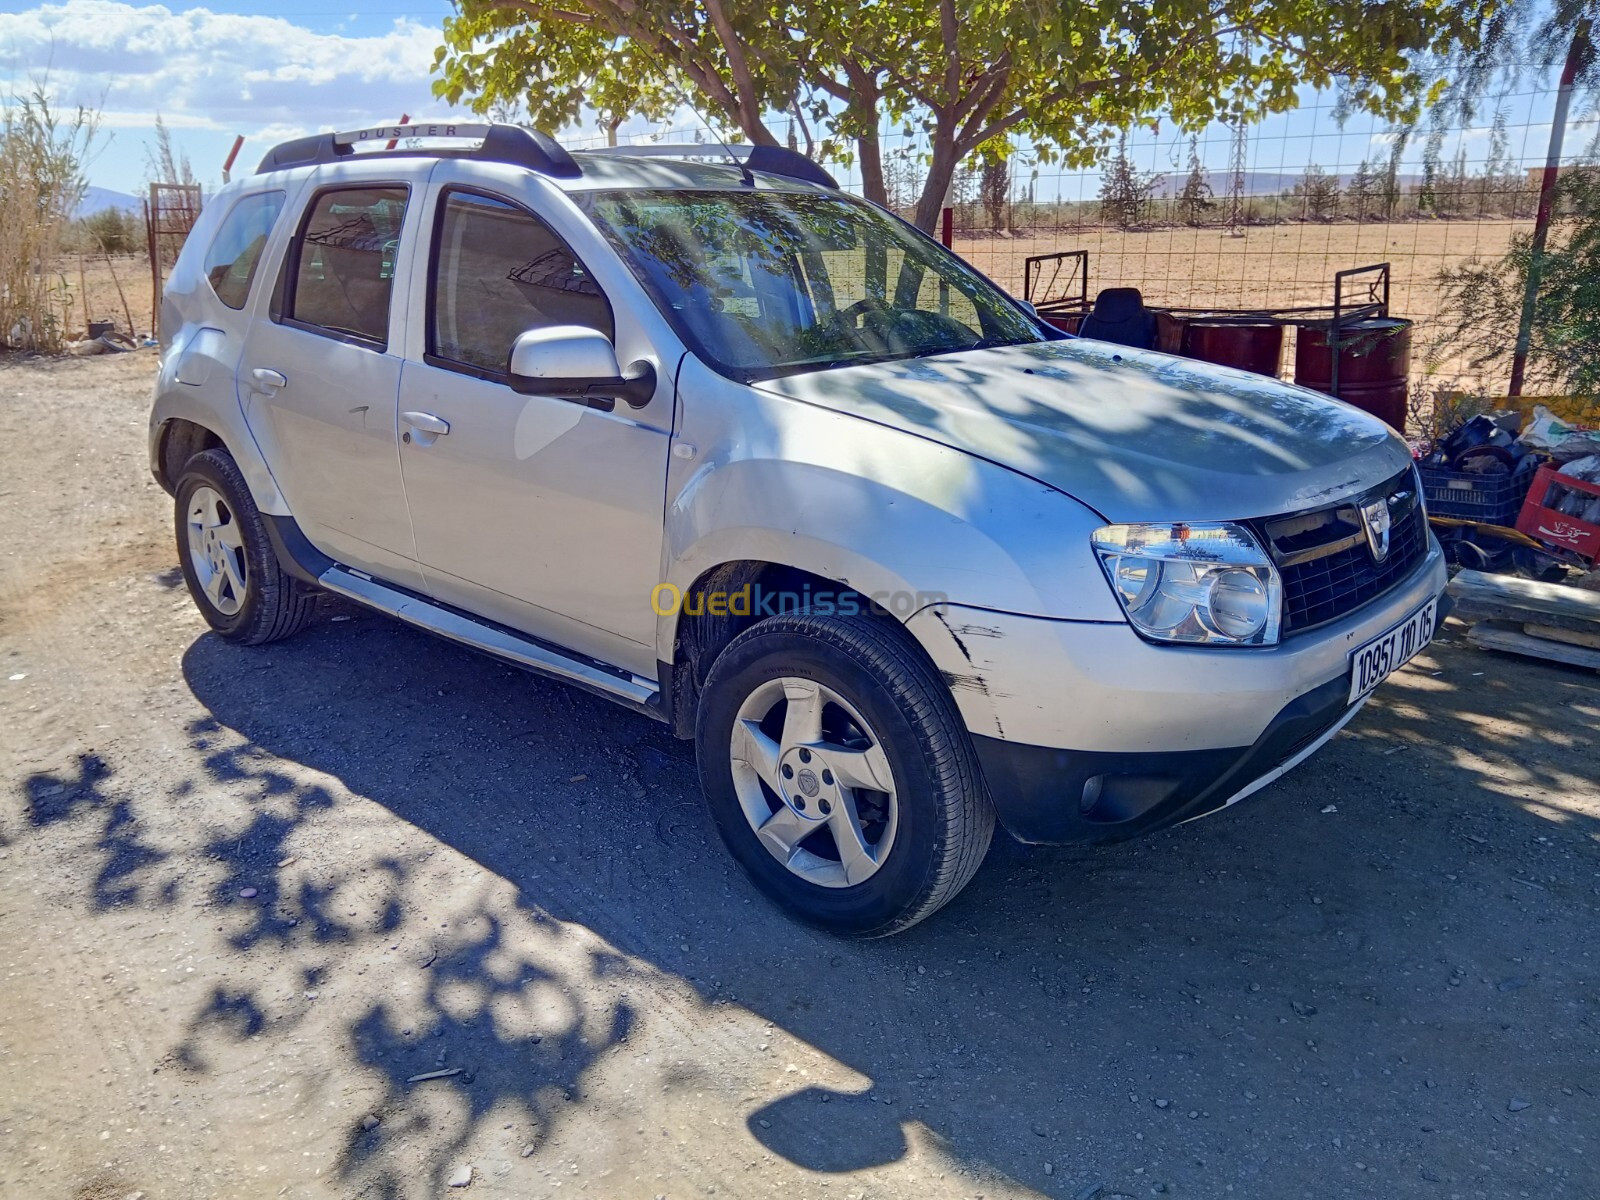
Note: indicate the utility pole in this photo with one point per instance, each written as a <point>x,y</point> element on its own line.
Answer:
<point>1236,209</point>
<point>1577,55</point>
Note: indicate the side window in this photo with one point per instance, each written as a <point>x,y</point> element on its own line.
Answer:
<point>499,271</point>
<point>235,252</point>
<point>343,262</point>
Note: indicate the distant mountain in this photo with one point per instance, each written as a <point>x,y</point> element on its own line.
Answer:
<point>98,199</point>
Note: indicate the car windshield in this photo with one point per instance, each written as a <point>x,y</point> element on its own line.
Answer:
<point>769,283</point>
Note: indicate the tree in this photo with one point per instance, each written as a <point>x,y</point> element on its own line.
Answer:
<point>1389,181</point>
<point>994,189</point>
<point>1482,301</point>
<point>1065,76</point>
<point>1196,198</point>
<point>163,163</point>
<point>112,230</point>
<point>1363,190</point>
<point>1125,190</point>
<point>1318,193</point>
<point>551,70</point>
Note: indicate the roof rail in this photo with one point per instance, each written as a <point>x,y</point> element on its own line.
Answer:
<point>501,143</point>
<point>774,160</point>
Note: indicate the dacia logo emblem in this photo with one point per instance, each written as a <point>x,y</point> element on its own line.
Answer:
<point>1375,520</point>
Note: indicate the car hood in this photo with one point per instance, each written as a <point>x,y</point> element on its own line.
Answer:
<point>1136,435</point>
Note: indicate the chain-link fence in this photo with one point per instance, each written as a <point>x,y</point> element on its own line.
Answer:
<point>1260,217</point>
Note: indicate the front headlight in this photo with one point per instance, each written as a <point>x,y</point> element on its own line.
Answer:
<point>1201,584</point>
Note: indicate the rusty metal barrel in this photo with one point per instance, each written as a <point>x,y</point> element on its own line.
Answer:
<point>1067,322</point>
<point>1249,345</point>
<point>1374,365</point>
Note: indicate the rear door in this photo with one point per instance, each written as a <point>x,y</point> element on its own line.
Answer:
<point>320,379</point>
<point>539,513</point>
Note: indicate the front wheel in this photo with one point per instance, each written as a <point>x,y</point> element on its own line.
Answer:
<point>839,774</point>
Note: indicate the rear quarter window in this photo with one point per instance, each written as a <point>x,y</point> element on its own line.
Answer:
<point>235,253</point>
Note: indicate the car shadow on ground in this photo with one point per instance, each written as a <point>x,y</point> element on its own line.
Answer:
<point>1359,954</point>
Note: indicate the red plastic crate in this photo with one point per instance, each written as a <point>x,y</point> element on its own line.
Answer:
<point>1572,533</point>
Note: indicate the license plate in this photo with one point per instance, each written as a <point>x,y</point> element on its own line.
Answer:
<point>1387,653</point>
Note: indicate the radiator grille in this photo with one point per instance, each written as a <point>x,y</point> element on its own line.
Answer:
<point>1326,558</point>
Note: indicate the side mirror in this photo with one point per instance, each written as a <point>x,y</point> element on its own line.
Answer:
<point>1030,308</point>
<point>574,362</point>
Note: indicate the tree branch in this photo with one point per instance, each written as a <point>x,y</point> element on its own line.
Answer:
<point>1089,87</point>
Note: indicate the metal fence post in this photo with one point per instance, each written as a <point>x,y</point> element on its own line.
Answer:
<point>1547,186</point>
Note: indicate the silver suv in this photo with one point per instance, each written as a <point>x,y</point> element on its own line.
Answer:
<point>757,459</point>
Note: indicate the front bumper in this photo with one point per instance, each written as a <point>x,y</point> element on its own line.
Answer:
<point>1086,733</point>
<point>1058,797</point>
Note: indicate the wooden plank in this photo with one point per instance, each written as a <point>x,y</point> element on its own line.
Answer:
<point>1490,637</point>
<point>1570,636</point>
<point>1479,596</point>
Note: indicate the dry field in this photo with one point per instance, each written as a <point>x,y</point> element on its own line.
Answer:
<point>117,289</point>
<point>1277,265</point>
<point>1272,265</point>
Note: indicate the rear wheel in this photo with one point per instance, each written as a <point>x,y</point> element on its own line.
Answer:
<point>228,561</point>
<point>839,774</point>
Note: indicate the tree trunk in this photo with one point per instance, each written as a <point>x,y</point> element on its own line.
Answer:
<point>941,172</point>
<point>871,154</point>
<point>611,127</point>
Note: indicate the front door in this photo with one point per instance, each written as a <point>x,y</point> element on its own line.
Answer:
<point>320,386</point>
<point>539,513</point>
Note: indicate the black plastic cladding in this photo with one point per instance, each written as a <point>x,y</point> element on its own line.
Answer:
<point>502,143</point>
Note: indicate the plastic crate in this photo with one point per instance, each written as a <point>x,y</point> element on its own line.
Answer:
<point>1491,499</point>
<point>1540,519</point>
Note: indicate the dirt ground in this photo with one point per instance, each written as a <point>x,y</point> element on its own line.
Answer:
<point>119,289</point>
<point>248,896</point>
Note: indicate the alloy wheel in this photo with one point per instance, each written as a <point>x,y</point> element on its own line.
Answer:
<point>216,550</point>
<point>814,782</point>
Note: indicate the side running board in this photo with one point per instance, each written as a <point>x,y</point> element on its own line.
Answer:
<point>618,685</point>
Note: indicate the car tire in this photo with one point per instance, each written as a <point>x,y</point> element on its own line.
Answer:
<point>868,812</point>
<point>228,562</point>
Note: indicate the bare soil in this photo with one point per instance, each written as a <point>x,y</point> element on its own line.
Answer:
<point>118,289</point>
<point>248,896</point>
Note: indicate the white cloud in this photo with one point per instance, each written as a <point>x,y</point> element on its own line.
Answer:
<point>216,71</point>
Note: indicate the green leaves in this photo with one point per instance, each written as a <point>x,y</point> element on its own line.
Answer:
<point>1068,76</point>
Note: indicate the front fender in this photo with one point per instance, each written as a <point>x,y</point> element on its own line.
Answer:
<point>897,517</point>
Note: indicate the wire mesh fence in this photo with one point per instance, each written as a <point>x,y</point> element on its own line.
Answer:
<point>1261,217</point>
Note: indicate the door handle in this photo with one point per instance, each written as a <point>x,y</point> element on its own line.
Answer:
<point>268,380</point>
<point>426,423</point>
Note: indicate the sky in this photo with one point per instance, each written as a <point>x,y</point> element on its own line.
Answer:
<point>272,71</point>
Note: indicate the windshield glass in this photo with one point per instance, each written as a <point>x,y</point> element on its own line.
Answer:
<point>763,284</point>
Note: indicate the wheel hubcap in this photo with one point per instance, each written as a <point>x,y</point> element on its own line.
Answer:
<point>216,550</point>
<point>814,782</point>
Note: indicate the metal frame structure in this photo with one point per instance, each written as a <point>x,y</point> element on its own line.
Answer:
<point>169,214</point>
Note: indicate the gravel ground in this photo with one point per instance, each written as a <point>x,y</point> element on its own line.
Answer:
<point>248,896</point>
